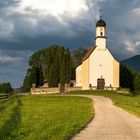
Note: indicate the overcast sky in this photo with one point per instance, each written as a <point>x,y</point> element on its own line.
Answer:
<point>29,25</point>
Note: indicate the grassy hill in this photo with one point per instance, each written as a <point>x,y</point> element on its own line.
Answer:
<point>133,62</point>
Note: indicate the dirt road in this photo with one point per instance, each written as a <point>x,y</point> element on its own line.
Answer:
<point>110,123</point>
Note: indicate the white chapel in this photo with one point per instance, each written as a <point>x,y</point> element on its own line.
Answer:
<point>98,69</point>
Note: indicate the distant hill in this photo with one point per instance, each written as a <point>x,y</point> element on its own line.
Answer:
<point>133,62</point>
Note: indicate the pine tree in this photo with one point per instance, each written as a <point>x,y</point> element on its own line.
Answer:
<point>126,78</point>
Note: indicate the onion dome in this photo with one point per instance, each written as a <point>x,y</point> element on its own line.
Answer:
<point>100,23</point>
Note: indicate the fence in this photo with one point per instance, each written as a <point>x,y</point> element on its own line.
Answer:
<point>44,90</point>
<point>4,96</point>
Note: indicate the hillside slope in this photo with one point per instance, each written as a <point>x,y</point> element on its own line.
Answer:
<point>133,62</point>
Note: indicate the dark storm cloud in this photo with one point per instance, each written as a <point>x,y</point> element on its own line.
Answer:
<point>13,65</point>
<point>24,32</point>
<point>123,26</point>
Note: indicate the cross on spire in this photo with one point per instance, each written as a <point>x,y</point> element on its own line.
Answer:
<point>100,13</point>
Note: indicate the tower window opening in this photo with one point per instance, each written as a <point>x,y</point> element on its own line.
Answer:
<point>101,33</point>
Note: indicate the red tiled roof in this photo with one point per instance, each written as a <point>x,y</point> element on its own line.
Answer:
<point>88,53</point>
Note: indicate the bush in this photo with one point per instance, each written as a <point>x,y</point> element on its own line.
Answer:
<point>5,88</point>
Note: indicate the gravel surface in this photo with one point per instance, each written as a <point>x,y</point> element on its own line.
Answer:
<point>110,123</point>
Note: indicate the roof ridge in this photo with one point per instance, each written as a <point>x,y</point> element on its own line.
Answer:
<point>89,52</point>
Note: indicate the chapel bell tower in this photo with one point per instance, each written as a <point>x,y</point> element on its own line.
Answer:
<point>101,34</point>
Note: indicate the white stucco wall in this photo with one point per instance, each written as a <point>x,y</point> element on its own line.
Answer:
<point>85,74</point>
<point>79,76</point>
<point>101,64</point>
<point>101,43</point>
<point>99,30</point>
<point>100,39</point>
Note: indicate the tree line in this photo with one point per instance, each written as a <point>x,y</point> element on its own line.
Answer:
<point>54,64</point>
<point>5,88</point>
<point>129,78</point>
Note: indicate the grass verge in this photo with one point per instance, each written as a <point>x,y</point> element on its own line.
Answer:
<point>43,117</point>
<point>127,102</point>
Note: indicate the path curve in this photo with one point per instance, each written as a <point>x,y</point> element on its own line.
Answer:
<point>110,123</point>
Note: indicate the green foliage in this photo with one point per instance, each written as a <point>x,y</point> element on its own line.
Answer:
<point>33,76</point>
<point>53,64</point>
<point>60,65</point>
<point>126,78</point>
<point>129,78</point>
<point>137,82</point>
<point>78,55</point>
<point>5,88</point>
<point>43,117</point>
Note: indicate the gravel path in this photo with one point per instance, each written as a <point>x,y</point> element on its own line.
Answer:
<point>110,123</point>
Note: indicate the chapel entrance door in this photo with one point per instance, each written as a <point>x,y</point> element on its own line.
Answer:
<point>101,84</point>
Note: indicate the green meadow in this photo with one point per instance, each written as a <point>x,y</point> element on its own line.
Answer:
<point>43,117</point>
<point>54,117</point>
<point>125,101</point>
